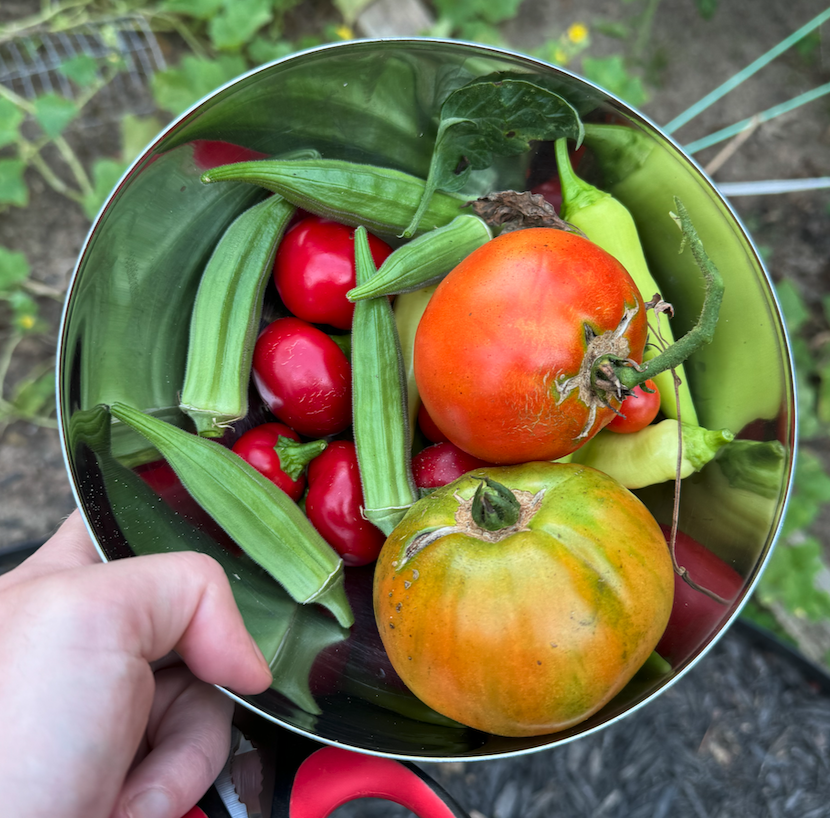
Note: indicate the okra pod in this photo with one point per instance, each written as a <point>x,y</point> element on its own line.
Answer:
<point>225,317</point>
<point>608,223</point>
<point>426,259</point>
<point>384,200</point>
<point>409,307</point>
<point>265,523</point>
<point>380,421</point>
<point>649,456</point>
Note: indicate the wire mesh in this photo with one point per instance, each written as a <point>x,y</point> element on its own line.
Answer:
<point>30,66</point>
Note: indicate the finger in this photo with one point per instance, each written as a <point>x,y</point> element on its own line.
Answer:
<point>188,736</point>
<point>69,547</point>
<point>147,606</point>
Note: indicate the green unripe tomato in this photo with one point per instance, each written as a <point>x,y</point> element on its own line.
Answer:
<point>533,627</point>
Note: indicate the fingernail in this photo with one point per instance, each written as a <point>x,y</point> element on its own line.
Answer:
<point>259,654</point>
<point>149,804</point>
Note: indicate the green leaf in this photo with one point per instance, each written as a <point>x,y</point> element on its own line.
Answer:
<point>199,9</point>
<point>811,490</point>
<point>790,580</point>
<point>54,113</point>
<point>176,89</point>
<point>792,304</point>
<point>14,269</point>
<point>706,8</point>
<point>25,311</point>
<point>105,175</point>
<point>262,50</point>
<point>461,12</point>
<point>493,116</point>
<point>238,21</point>
<point>13,189</point>
<point>611,74</point>
<point>35,395</point>
<point>10,119</point>
<point>350,9</point>
<point>81,69</point>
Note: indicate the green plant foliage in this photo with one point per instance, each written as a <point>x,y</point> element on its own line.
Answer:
<point>13,188</point>
<point>198,9</point>
<point>105,175</point>
<point>790,578</point>
<point>612,74</point>
<point>176,89</point>
<point>81,69</point>
<point>237,21</point>
<point>262,50</point>
<point>706,8</point>
<point>11,118</point>
<point>53,113</point>
<point>350,9</point>
<point>14,270</point>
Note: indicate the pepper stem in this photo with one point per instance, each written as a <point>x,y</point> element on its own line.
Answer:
<point>295,456</point>
<point>702,333</point>
<point>494,506</point>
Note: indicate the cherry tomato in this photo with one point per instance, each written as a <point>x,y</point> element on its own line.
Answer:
<point>442,463</point>
<point>314,269</point>
<point>427,425</point>
<point>258,446</point>
<point>304,377</point>
<point>637,410</point>
<point>695,616</point>
<point>504,350</point>
<point>334,504</point>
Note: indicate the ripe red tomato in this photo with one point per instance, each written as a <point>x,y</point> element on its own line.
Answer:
<point>503,350</point>
<point>260,447</point>
<point>304,377</point>
<point>334,505</point>
<point>314,269</point>
<point>637,410</point>
<point>530,627</point>
<point>695,616</point>
<point>442,463</point>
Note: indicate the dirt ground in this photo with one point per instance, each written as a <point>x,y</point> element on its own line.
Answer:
<point>690,56</point>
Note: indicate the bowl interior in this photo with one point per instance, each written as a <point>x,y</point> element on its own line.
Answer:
<point>125,330</point>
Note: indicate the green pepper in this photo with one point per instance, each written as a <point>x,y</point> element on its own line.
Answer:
<point>607,222</point>
<point>380,422</point>
<point>650,456</point>
<point>381,199</point>
<point>225,318</point>
<point>260,518</point>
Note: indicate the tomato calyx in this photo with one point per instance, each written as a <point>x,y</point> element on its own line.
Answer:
<point>488,506</point>
<point>295,456</point>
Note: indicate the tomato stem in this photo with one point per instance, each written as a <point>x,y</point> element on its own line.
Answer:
<point>494,506</point>
<point>630,375</point>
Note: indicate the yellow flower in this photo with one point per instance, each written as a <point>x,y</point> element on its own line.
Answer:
<point>577,33</point>
<point>344,32</point>
<point>27,321</point>
<point>560,57</point>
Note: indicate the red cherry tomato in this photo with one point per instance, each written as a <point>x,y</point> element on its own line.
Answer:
<point>637,411</point>
<point>260,447</point>
<point>334,504</point>
<point>427,425</point>
<point>304,377</point>
<point>314,269</point>
<point>695,615</point>
<point>442,463</point>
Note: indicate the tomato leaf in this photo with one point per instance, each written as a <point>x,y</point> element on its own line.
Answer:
<point>54,113</point>
<point>497,115</point>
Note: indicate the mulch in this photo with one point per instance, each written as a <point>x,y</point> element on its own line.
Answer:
<point>745,733</point>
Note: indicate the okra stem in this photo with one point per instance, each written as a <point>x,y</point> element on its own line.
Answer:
<point>261,518</point>
<point>380,419</point>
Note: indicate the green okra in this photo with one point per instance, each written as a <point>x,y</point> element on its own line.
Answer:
<point>380,420</point>
<point>266,524</point>
<point>426,259</point>
<point>225,317</point>
<point>609,224</point>
<point>649,456</point>
<point>383,200</point>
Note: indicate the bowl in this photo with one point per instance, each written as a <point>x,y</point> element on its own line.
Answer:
<point>125,328</point>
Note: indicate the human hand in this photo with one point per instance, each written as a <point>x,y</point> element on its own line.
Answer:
<point>97,717</point>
